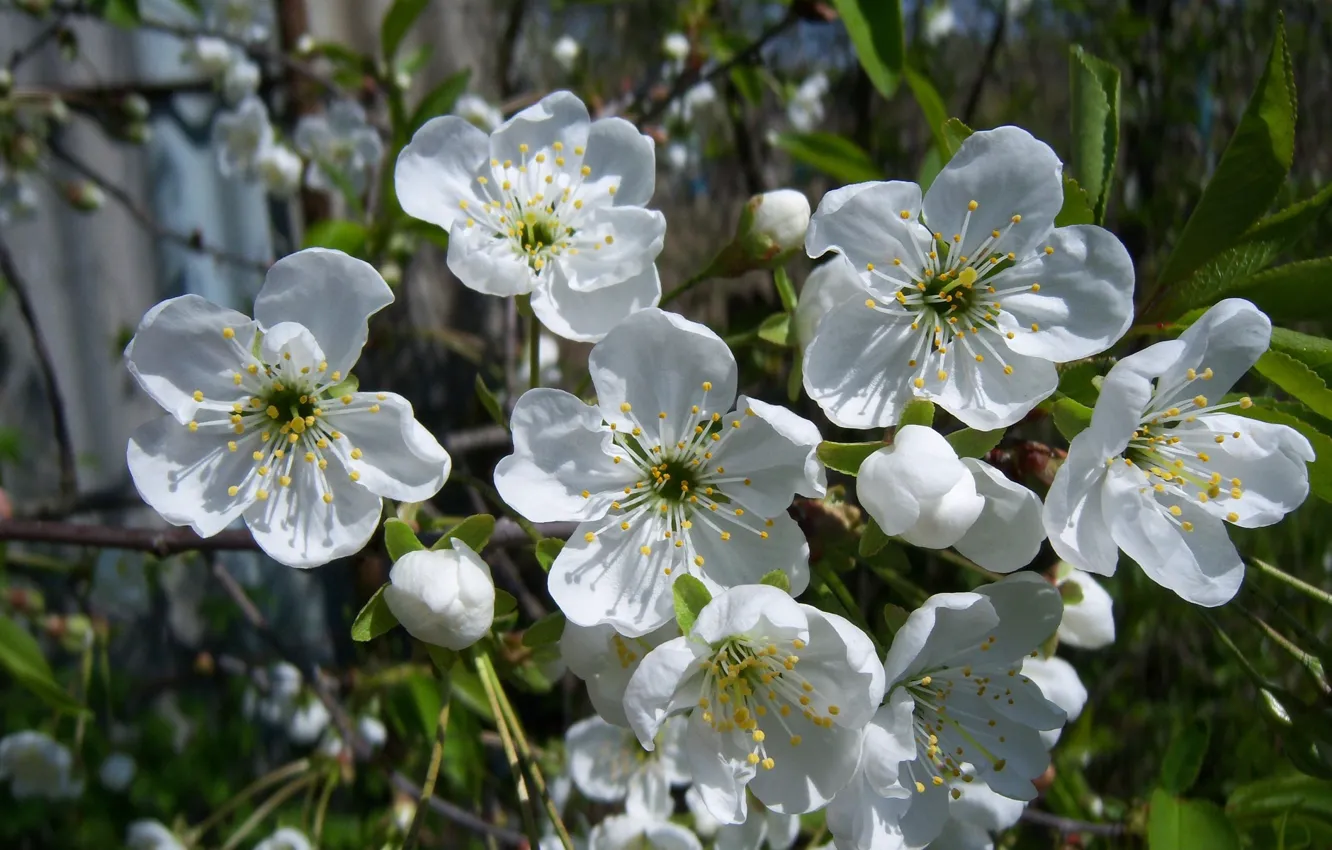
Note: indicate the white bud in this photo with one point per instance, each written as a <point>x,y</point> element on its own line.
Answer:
<point>280,170</point>
<point>371,730</point>
<point>305,45</point>
<point>780,219</point>
<point>565,51</point>
<point>84,196</point>
<point>210,56</point>
<point>676,46</point>
<point>117,771</point>
<point>443,597</point>
<point>240,78</point>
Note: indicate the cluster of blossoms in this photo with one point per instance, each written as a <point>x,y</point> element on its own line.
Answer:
<point>966,296</point>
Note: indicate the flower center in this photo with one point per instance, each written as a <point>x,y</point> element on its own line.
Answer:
<point>952,299</point>
<point>1172,446</point>
<point>753,682</point>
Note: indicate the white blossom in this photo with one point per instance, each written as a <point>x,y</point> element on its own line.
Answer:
<point>645,824</point>
<point>240,78</point>
<point>940,22</point>
<point>307,722</point>
<point>958,710</point>
<point>676,46</point>
<point>607,764</point>
<point>444,597</point>
<point>117,771</point>
<point>261,422</point>
<point>18,198</point>
<point>975,318</point>
<point>775,695</point>
<point>565,51</point>
<point>918,489</point>
<point>279,169</point>
<point>209,55</point>
<point>1165,465</point>
<point>248,20</point>
<point>1061,685</point>
<point>805,109</point>
<point>285,838</point>
<point>1089,622</point>
<point>241,137</point>
<point>677,156</point>
<point>149,834</point>
<point>762,828</point>
<point>605,660</point>
<point>478,111</point>
<point>341,146</point>
<point>37,766</point>
<point>551,204</point>
<point>669,474</point>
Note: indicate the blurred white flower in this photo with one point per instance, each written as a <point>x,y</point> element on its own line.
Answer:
<point>208,55</point>
<point>307,722</point>
<point>676,46</point>
<point>280,170</point>
<point>443,597</point>
<point>705,825</point>
<point>940,22</point>
<point>677,156</point>
<point>35,765</point>
<point>565,51</point>
<point>762,828</point>
<point>248,20</point>
<point>240,79</point>
<point>1089,617</point>
<point>479,112</point>
<point>645,824</point>
<point>1060,683</point>
<point>828,285</point>
<point>372,731</point>
<point>608,764</point>
<point>151,835</point>
<point>285,838</point>
<point>117,771</point>
<point>605,660</point>
<point>805,108</point>
<point>695,99</point>
<point>240,136</point>
<point>18,199</point>
<point>341,147</point>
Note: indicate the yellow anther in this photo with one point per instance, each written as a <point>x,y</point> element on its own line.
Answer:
<point>1200,400</point>
<point>193,426</point>
<point>698,560</point>
<point>942,375</point>
<point>645,550</point>
<point>906,214</point>
<point>355,476</point>
<point>754,758</point>
<point>972,206</point>
<point>920,787</point>
<point>233,490</point>
<point>328,498</point>
<point>1008,370</point>
<point>834,710</point>
<point>355,454</point>
<point>1048,250</point>
<point>1017,219</point>
<point>285,480</point>
<point>261,495</point>
<point>768,763</point>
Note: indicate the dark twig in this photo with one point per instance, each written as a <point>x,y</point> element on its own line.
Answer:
<point>687,80</point>
<point>458,815</point>
<point>39,41</point>
<point>69,484</point>
<point>192,240</point>
<point>987,65</point>
<point>163,542</point>
<point>1069,826</point>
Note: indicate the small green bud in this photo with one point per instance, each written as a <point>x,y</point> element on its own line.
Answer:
<point>84,196</point>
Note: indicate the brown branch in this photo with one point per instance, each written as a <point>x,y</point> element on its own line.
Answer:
<point>27,51</point>
<point>192,240</point>
<point>69,484</point>
<point>987,65</point>
<point>163,542</point>
<point>1069,826</point>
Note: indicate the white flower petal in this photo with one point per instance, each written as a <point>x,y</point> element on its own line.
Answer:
<point>983,395</point>
<point>438,170</point>
<point>841,660</point>
<point>589,316</point>
<point>1270,461</point>
<point>606,579</point>
<point>746,557</point>
<point>614,244</point>
<point>960,835</point>
<point>1228,339</point>
<point>807,776</point>
<point>1073,515</point>
<point>1085,300</point>
<point>179,349</point>
<point>1201,566</point>
<point>774,453</point>
<point>828,285</point>
<point>559,117</point>
<point>1090,622</point>
<point>749,835</point>
<point>939,629</point>
<point>1008,172</point>
<point>489,264</point>
<point>1060,684</point>
<point>759,611</point>
<point>783,830</point>
<point>295,527</point>
<point>561,450</point>
<point>1008,533</point>
<point>924,818</point>
<point>399,458</point>
<point>890,739</point>
<point>621,157</point>
<point>1029,609</point>
<point>943,521</point>
<point>855,367</point>
<point>664,835</point>
<point>720,780</point>
<point>649,794</point>
<point>331,294</point>
<point>657,362</point>
<point>605,661</point>
<point>653,692</point>
<point>864,223</point>
<point>599,763</point>
<point>981,806</point>
<point>293,342</point>
<point>184,476</point>
<point>862,819</point>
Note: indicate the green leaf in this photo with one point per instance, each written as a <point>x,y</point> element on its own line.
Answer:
<point>846,457</point>
<point>954,134</point>
<point>872,539</point>
<point>748,82</point>
<point>468,691</point>
<point>918,412</point>
<point>399,539</point>
<point>348,385</point>
<point>777,579</point>
<point>1077,208</point>
<point>894,617</point>
<point>547,551</point>
<point>691,596</point>
<point>546,631</point>
<point>1313,351</point>
<point>418,699</point>
<point>1260,801</point>
<point>444,659</point>
<point>22,657</point>
<point>505,603</point>
<point>490,403</point>
<point>969,442</point>
<point>1295,292</point>
<point>1320,471</point>
<point>475,531</point>
<point>440,101</point>
<point>397,21</point>
<point>1250,173</point>
<point>776,329</point>
<point>1175,824</point>
<point>1184,759</point>
<point>1076,381</point>
<point>1232,268</point>
<point>122,13</point>
<point>1071,417</point>
<point>833,155</point>
<point>876,31</point>
<point>785,290</point>
<point>337,233</point>
<point>927,97</point>
<point>1094,88</point>
<point>1298,380</point>
<point>375,618</point>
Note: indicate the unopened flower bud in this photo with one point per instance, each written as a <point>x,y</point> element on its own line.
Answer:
<point>57,110</point>
<point>25,151</point>
<point>135,106</point>
<point>138,132</point>
<point>443,597</point>
<point>77,633</point>
<point>305,45</point>
<point>772,227</point>
<point>391,272</point>
<point>84,196</point>
<point>6,81</point>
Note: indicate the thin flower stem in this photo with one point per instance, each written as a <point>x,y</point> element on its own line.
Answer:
<point>839,589</point>
<point>525,807</point>
<point>525,751</point>
<point>1302,586</point>
<point>432,773</point>
<point>534,352</point>
<point>1258,678</point>
<point>271,778</point>
<point>1310,661</point>
<point>966,563</point>
<point>330,785</point>
<point>267,808</point>
<point>683,288</point>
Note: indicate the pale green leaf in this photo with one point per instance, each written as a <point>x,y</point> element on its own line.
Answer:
<point>339,234</point>
<point>22,657</point>
<point>918,412</point>
<point>1071,417</point>
<point>399,539</point>
<point>547,550</point>
<point>954,134</point>
<point>846,457</point>
<point>969,442</point>
<point>397,21</point>
<point>1175,824</point>
<point>1077,208</point>
<point>833,155</point>
<point>475,531</point>
<point>375,618</point>
<point>931,104</point>
<point>440,101</point>
<point>872,539</point>
<point>876,31</point>
<point>1184,758</point>
<point>776,329</point>
<point>1094,89</point>
<point>777,579</point>
<point>490,403</point>
<point>1298,380</point>
<point>691,597</point>
<point>545,631</point>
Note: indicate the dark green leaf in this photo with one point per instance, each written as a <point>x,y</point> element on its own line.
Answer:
<point>505,604</point>
<point>894,617</point>
<point>1184,759</point>
<point>547,551</point>
<point>691,596</point>
<point>475,531</point>
<point>777,579</point>
<point>1295,292</point>
<point>748,82</point>
<point>918,412</point>
<point>872,539</point>
<point>467,690</point>
<point>1298,380</point>
<point>375,618</point>
<point>340,234</point>
<point>440,101</point>
<point>122,13</point>
<point>22,657</point>
<point>423,694</point>
<point>954,134</point>
<point>833,155</point>
<point>927,96</point>
<point>969,442</point>
<point>1313,351</point>
<point>1076,381</point>
<point>1250,173</point>
<point>1273,796</point>
<point>397,21</point>
<point>490,403</point>
<point>545,631</point>
<point>1071,418</point>
<point>846,457</point>
<point>1077,207</point>
<point>1175,824</point>
<point>443,659</point>
<point>1094,88</point>
<point>1320,471</point>
<point>399,539</point>
<point>776,329</point>
<point>875,27</point>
